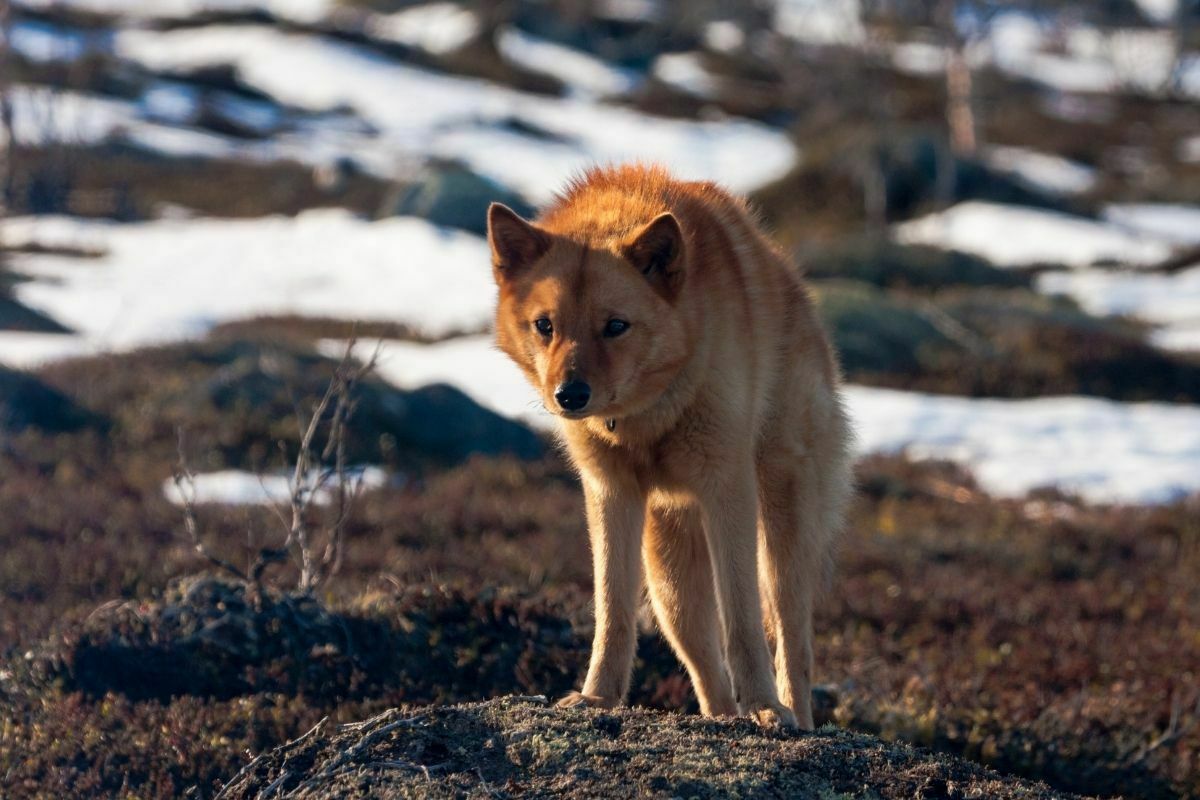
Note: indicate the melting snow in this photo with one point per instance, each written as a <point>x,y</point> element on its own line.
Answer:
<point>1044,171</point>
<point>235,487</point>
<point>469,119</point>
<point>42,116</point>
<point>1178,224</point>
<point>820,22</point>
<point>582,72</point>
<point>296,10</point>
<point>1169,300</point>
<point>434,27</point>
<point>174,279</point>
<point>45,43</point>
<point>1102,450</point>
<point>686,72</point>
<point>1015,236</point>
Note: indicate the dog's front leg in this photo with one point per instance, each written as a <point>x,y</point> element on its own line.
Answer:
<point>615,512</point>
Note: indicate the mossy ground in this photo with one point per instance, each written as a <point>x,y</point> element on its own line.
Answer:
<point>520,747</point>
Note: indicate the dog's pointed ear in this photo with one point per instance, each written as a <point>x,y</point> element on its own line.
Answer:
<point>657,252</point>
<point>515,243</point>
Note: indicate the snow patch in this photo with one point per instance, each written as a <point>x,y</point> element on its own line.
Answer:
<point>1171,301</point>
<point>44,43</point>
<point>1016,236</point>
<point>175,279</point>
<point>1107,452</point>
<point>1045,171</point>
<point>1189,150</point>
<point>582,72</point>
<point>1177,224</point>
<point>436,28</point>
<point>724,36</point>
<point>24,350</point>
<point>238,488</point>
<point>821,22</point>
<point>1159,10</point>
<point>422,114</point>
<point>686,72</point>
<point>294,10</point>
<point>44,116</point>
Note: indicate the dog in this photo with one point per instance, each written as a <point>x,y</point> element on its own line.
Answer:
<point>700,403</point>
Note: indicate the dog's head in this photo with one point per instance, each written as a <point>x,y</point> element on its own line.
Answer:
<point>595,329</point>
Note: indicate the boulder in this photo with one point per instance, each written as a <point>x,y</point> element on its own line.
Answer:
<point>452,195</point>
<point>28,403</point>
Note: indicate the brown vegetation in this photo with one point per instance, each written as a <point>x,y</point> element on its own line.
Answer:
<point>518,747</point>
<point>1044,638</point>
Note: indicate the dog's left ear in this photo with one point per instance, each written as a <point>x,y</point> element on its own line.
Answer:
<point>657,252</point>
<point>516,244</point>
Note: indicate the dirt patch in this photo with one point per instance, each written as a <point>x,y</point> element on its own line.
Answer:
<point>520,747</point>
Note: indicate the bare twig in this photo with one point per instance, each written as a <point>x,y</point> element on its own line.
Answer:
<point>347,403</point>
<point>246,770</point>
<point>352,754</point>
<point>185,484</point>
<point>306,483</point>
<point>304,489</point>
<point>1175,729</point>
<point>483,782</point>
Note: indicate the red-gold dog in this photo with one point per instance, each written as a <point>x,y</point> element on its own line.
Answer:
<point>700,402</point>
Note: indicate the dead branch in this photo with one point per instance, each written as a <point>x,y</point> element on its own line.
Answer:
<point>347,403</point>
<point>185,484</point>
<point>307,482</point>
<point>1176,729</point>
<point>246,770</point>
<point>353,753</point>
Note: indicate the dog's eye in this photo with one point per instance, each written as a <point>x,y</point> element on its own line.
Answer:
<point>615,327</point>
<point>543,326</point>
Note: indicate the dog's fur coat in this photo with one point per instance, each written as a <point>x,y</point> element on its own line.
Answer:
<point>713,447</point>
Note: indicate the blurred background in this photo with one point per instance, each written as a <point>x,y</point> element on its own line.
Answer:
<point>206,203</point>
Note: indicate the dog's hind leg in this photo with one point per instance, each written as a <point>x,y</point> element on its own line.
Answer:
<point>791,566</point>
<point>728,498</point>
<point>679,575</point>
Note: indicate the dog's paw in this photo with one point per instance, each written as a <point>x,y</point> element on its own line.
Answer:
<point>581,700</point>
<point>775,718</point>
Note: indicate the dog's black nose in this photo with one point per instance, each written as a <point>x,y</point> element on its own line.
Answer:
<point>573,395</point>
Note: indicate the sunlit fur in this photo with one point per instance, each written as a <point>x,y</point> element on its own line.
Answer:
<point>713,452</point>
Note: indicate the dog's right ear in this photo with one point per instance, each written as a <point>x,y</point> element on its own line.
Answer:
<point>515,243</point>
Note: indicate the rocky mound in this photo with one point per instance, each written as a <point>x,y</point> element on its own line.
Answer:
<point>26,402</point>
<point>522,747</point>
